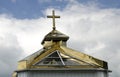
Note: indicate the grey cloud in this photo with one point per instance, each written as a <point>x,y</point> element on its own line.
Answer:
<point>10,52</point>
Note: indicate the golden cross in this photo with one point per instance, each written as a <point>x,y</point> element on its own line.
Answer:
<point>53,17</point>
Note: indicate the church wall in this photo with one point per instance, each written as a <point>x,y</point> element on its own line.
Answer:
<point>101,74</point>
<point>63,73</point>
<point>22,74</point>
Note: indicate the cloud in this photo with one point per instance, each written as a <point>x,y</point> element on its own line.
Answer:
<point>10,52</point>
<point>13,1</point>
<point>25,30</point>
<point>92,30</point>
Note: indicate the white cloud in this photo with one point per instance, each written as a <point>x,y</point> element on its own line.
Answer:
<point>10,52</point>
<point>92,30</point>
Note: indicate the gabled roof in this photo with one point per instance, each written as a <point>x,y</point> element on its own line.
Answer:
<point>59,55</point>
<point>62,56</point>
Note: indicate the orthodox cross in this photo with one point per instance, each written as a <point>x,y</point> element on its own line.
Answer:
<point>53,16</point>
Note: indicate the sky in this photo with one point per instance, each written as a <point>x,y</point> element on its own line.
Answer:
<point>92,25</point>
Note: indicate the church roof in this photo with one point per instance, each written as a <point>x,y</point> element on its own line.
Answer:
<point>55,35</point>
<point>55,54</point>
<point>69,57</point>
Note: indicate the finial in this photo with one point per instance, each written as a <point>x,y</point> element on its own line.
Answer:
<point>53,16</point>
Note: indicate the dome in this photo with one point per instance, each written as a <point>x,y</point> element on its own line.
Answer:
<point>55,35</point>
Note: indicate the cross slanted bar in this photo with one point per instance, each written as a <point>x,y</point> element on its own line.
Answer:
<point>53,16</point>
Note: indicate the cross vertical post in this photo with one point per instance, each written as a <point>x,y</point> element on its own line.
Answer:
<point>53,16</point>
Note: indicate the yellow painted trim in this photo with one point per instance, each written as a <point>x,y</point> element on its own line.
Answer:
<point>80,66</point>
<point>40,57</point>
<point>22,65</point>
<point>81,56</point>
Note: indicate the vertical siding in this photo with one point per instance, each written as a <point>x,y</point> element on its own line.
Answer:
<point>59,73</point>
<point>23,74</point>
<point>102,74</point>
